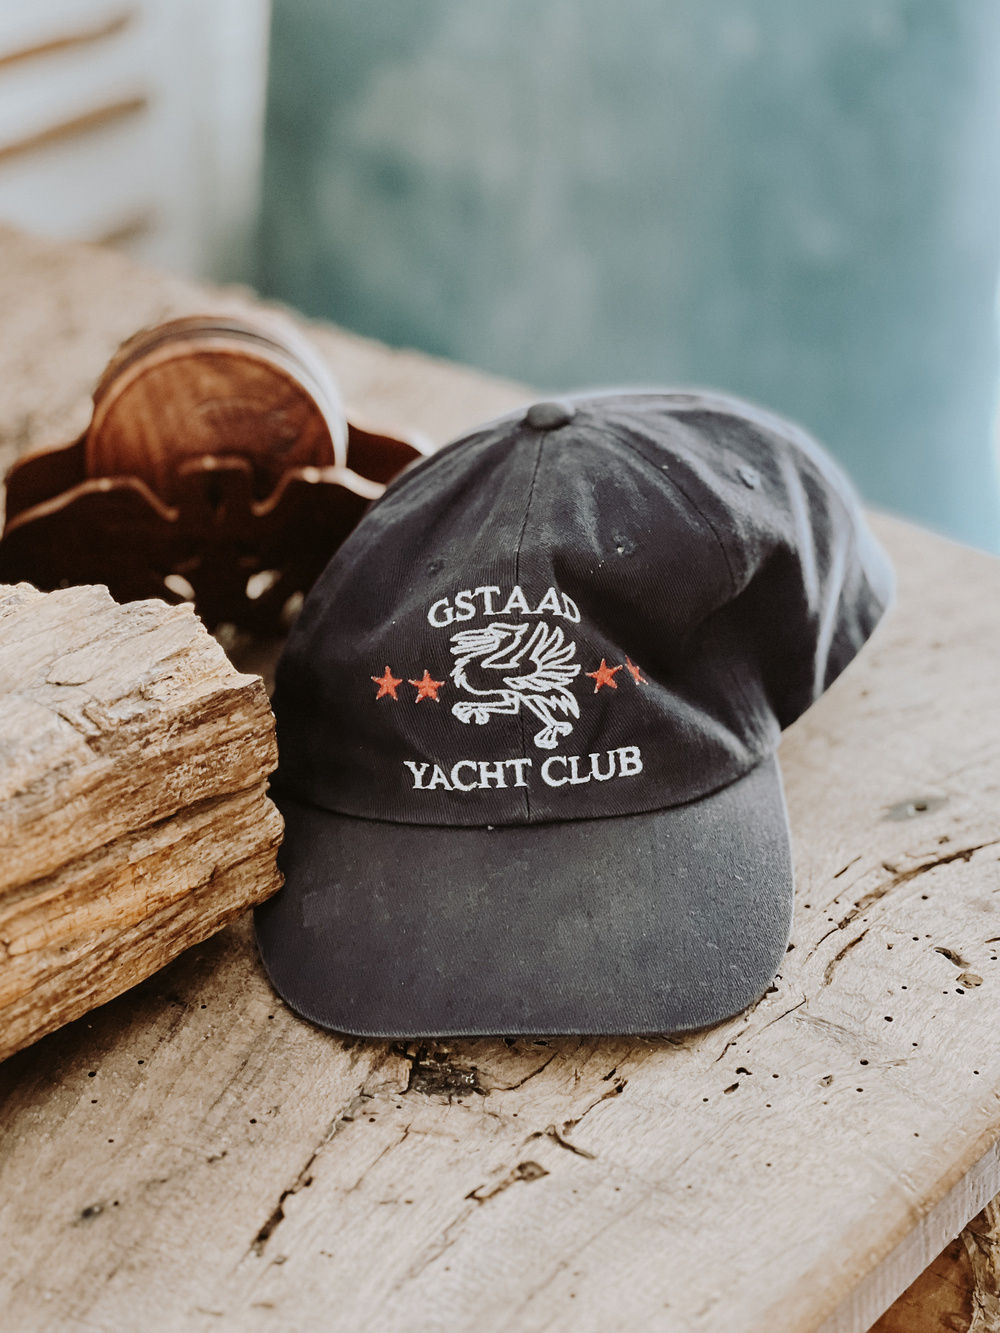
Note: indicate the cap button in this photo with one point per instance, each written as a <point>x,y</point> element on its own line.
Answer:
<point>549,416</point>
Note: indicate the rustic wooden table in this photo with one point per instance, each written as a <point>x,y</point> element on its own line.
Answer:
<point>193,1156</point>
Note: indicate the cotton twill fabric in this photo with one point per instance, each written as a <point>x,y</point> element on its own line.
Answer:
<point>655,922</point>
<point>711,544</point>
<point>528,715</point>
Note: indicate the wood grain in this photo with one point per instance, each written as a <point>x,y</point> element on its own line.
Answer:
<point>192,1156</point>
<point>960,1291</point>
<point>134,819</point>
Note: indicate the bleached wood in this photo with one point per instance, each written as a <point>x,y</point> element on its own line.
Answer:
<point>229,1167</point>
<point>921,1246</point>
<point>134,819</point>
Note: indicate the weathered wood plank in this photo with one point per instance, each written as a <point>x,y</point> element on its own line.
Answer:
<point>960,1291</point>
<point>255,1173</point>
<point>134,819</point>
<point>585,1170</point>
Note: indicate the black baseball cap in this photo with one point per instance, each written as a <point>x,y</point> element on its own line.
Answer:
<point>527,723</point>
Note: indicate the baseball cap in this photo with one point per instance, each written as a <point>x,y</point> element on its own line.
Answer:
<point>527,723</point>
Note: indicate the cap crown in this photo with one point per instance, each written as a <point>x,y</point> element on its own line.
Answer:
<point>612,615</point>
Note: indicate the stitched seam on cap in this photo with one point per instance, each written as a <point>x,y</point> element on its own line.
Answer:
<point>697,509</point>
<point>734,590</point>
<point>517,581</point>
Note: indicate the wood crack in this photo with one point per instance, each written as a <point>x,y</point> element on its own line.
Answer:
<point>616,1090</point>
<point>371,1165</point>
<point>526,1171</point>
<point>304,1177</point>
<point>899,877</point>
<point>782,1015</point>
<point>551,1132</point>
<point>511,1087</point>
<point>837,959</point>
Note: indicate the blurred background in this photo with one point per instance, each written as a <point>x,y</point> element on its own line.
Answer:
<point>797,203</point>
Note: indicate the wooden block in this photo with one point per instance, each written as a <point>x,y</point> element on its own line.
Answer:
<point>134,819</point>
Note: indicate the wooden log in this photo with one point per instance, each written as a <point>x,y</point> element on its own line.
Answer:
<point>134,819</point>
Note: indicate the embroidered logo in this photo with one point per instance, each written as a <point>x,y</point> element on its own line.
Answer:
<point>604,675</point>
<point>427,688</point>
<point>538,660</point>
<point>511,666</point>
<point>387,685</point>
<point>634,672</point>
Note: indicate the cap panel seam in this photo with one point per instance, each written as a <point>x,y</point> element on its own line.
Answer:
<point>734,589</point>
<point>733,586</point>
<point>517,581</point>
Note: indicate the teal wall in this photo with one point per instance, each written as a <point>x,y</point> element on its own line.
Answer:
<point>799,202</point>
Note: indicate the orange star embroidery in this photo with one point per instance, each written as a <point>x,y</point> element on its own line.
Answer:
<point>604,675</point>
<point>634,672</point>
<point>387,684</point>
<point>427,688</point>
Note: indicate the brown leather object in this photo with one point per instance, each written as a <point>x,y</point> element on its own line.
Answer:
<point>218,467</point>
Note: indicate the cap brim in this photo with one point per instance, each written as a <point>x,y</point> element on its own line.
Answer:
<point>656,922</point>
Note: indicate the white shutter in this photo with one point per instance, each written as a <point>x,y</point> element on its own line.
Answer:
<point>138,124</point>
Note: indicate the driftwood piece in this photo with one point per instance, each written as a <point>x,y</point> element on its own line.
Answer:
<point>192,1156</point>
<point>134,819</point>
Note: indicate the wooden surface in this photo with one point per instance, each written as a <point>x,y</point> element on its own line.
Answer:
<point>192,1156</point>
<point>134,817</point>
<point>959,1292</point>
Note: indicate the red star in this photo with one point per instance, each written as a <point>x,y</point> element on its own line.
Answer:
<point>387,684</point>
<point>634,672</point>
<point>604,675</point>
<point>427,688</point>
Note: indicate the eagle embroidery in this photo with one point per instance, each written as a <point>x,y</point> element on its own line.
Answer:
<point>543,689</point>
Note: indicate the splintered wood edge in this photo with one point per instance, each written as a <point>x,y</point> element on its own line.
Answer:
<point>116,736</point>
<point>120,959</point>
<point>135,816</point>
<point>49,926</point>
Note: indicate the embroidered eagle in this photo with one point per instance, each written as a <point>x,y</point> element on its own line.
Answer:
<point>543,689</point>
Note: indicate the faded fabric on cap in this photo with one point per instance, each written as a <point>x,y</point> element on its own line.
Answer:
<point>663,582</point>
<point>598,614</point>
